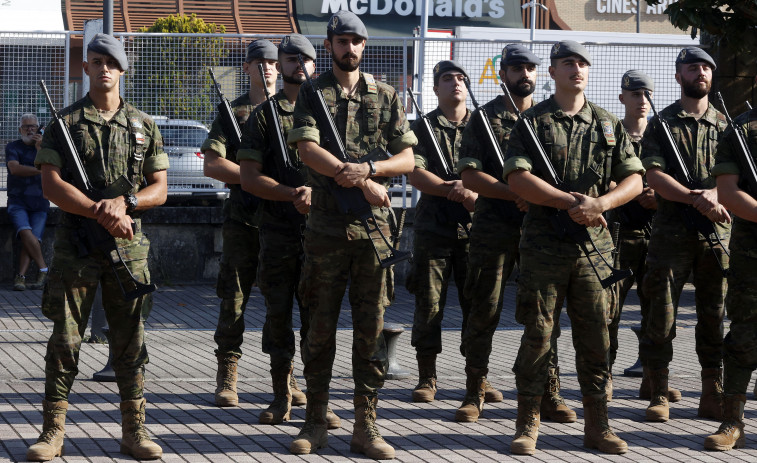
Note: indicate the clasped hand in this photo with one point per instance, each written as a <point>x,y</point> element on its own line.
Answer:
<point>111,215</point>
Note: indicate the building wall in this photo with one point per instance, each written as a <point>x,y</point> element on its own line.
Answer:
<point>614,16</point>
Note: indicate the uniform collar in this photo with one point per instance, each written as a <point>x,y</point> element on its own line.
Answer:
<point>283,102</point>
<point>585,113</point>
<point>710,115</point>
<point>444,122</point>
<point>91,114</point>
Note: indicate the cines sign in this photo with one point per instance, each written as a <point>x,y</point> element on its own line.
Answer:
<point>399,18</point>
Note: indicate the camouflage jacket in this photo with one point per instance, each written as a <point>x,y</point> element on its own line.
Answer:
<point>241,206</point>
<point>372,121</point>
<point>129,144</point>
<point>592,138</point>
<point>429,212</point>
<point>727,161</point>
<point>256,146</point>
<point>491,214</point>
<point>697,141</point>
<point>632,216</point>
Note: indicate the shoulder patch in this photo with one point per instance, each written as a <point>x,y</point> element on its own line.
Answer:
<point>135,122</point>
<point>609,133</point>
<point>370,82</point>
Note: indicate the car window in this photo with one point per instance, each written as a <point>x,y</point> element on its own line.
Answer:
<point>183,135</point>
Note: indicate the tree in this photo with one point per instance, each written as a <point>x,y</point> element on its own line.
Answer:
<point>732,23</point>
<point>170,77</point>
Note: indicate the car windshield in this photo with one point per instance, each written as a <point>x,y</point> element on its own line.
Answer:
<point>183,135</point>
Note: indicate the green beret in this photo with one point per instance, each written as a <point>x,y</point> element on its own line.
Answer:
<point>695,55</point>
<point>347,22</point>
<point>297,44</point>
<point>262,49</point>
<point>447,65</point>
<point>516,53</point>
<point>634,80</point>
<point>569,48</point>
<point>108,45</point>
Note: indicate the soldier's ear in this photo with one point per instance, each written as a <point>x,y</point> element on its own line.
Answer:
<point>327,45</point>
<point>85,67</point>
<point>620,97</point>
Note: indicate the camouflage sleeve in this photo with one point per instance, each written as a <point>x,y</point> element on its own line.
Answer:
<point>517,157</point>
<point>305,128</point>
<point>48,154</point>
<point>254,138</point>
<point>155,158</point>
<point>397,131</point>
<point>216,140</point>
<point>726,161</point>
<point>624,162</point>
<point>421,161</point>
<point>651,151</point>
<point>471,153</point>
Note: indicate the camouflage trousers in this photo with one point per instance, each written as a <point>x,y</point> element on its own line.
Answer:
<point>436,259</point>
<point>239,265</point>
<point>670,261</point>
<point>545,282</point>
<point>740,344</point>
<point>633,255</point>
<point>67,301</point>
<point>491,261</point>
<point>279,268</point>
<point>330,263</point>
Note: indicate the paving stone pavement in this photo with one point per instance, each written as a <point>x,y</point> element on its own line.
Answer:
<point>181,381</point>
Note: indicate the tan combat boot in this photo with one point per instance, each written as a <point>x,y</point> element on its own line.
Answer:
<point>731,433</point>
<point>313,435</point>
<point>281,407</point>
<point>658,409</point>
<point>491,394</point>
<point>645,392</point>
<point>50,442</point>
<point>366,438</point>
<point>597,432</point>
<point>134,438</point>
<point>298,397</point>
<point>711,401</point>
<point>553,407</point>
<point>425,391</point>
<point>332,420</point>
<point>226,381</point>
<point>526,426</point>
<point>475,396</point>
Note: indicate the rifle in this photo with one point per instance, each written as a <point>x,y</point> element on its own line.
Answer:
<point>286,172</point>
<point>228,121</point>
<point>559,218</point>
<point>92,236</point>
<point>692,218</point>
<point>350,200</point>
<point>454,211</point>
<point>742,148</point>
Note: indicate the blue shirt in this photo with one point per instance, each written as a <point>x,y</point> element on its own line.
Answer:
<point>24,191</point>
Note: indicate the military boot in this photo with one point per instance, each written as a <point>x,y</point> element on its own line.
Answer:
<point>366,438</point>
<point>475,396</point>
<point>491,394</point>
<point>313,435</point>
<point>645,392</point>
<point>597,432</point>
<point>281,407</point>
<point>658,409</point>
<point>332,420</point>
<point>134,438</point>
<point>50,442</point>
<point>226,381</point>
<point>425,391</point>
<point>731,433</point>
<point>711,401</point>
<point>526,426</point>
<point>553,407</point>
<point>298,397</point>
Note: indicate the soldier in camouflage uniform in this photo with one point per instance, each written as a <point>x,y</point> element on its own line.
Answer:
<point>588,148</point>
<point>635,219</point>
<point>739,354</point>
<point>241,244</point>
<point>114,140</point>
<point>495,237</point>
<point>371,119</point>
<point>440,247</point>
<point>281,223</point>
<point>675,251</point>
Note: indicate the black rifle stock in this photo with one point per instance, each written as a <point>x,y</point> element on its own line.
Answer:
<point>749,174</point>
<point>92,236</point>
<point>286,172</point>
<point>454,211</point>
<point>350,200</point>
<point>692,218</point>
<point>559,218</point>
<point>228,121</point>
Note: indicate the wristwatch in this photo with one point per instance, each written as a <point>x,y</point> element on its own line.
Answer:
<point>131,202</point>
<point>372,167</point>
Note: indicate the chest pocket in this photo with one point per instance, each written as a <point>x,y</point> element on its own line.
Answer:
<point>375,118</point>
<point>83,141</point>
